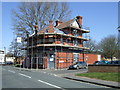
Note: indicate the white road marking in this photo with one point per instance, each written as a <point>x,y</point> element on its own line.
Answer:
<point>11,71</point>
<point>24,75</point>
<point>49,84</point>
<point>55,75</point>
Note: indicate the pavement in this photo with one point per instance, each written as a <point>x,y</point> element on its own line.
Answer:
<point>70,74</point>
<point>94,81</point>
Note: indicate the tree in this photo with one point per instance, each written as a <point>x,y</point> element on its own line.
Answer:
<point>15,49</point>
<point>28,14</point>
<point>92,45</point>
<point>108,46</point>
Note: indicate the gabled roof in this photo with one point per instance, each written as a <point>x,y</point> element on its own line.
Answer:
<point>48,28</point>
<point>65,24</point>
<point>71,23</point>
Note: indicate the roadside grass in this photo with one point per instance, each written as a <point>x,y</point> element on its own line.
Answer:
<point>112,76</point>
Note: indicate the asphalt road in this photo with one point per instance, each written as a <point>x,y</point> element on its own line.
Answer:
<point>15,78</point>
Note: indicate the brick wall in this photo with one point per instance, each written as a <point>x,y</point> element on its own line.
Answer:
<point>91,58</point>
<point>45,62</point>
<point>103,68</point>
<point>63,59</point>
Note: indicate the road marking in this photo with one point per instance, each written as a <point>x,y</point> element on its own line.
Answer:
<point>49,84</point>
<point>11,71</point>
<point>55,75</point>
<point>24,75</point>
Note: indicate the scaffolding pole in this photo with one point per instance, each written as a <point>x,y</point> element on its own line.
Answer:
<point>37,63</point>
<point>32,54</point>
<point>61,49</point>
<point>55,52</point>
<point>27,50</point>
<point>43,50</point>
<point>37,52</point>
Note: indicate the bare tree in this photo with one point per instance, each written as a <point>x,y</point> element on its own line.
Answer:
<point>29,14</point>
<point>92,45</point>
<point>15,48</point>
<point>109,46</point>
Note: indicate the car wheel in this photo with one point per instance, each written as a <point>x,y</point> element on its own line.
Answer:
<point>77,68</point>
<point>86,67</point>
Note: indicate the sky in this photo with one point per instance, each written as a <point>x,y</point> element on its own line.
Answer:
<point>100,17</point>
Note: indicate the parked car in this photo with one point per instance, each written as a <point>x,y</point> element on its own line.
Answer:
<point>2,63</point>
<point>96,63</point>
<point>9,63</point>
<point>102,62</point>
<point>117,62</point>
<point>78,65</point>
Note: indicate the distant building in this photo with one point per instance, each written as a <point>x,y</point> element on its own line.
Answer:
<point>58,46</point>
<point>2,57</point>
<point>10,59</point>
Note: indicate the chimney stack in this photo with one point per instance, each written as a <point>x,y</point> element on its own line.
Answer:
<point>79,19</point>
<point>58,22</point>
<point>50,22</point>
<point>36,28</point>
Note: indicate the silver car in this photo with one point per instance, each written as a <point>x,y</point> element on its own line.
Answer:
<point>78,65</point>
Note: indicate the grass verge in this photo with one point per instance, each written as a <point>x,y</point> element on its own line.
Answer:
<point>112,76</point>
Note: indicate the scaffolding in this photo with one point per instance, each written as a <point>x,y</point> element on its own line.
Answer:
<point>63,52</point>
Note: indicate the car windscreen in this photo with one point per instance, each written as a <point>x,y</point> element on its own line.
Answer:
<point>81,62</point>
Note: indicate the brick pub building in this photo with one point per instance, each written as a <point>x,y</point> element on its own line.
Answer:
<point>58,46</point>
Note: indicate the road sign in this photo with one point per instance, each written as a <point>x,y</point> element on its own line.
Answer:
<point>19,39</point>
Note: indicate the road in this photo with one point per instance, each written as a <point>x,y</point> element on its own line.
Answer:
<point>14,78</point>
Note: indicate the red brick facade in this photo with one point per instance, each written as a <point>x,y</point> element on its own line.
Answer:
<point>59,46</point>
